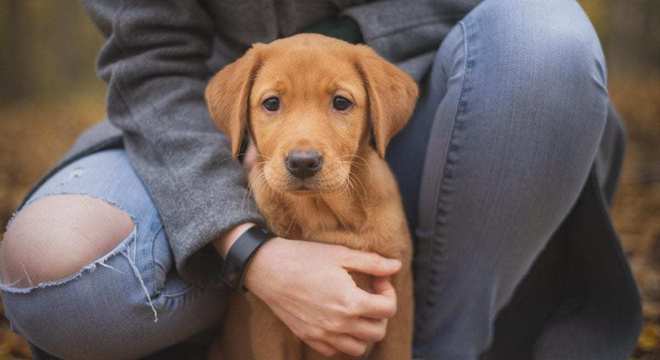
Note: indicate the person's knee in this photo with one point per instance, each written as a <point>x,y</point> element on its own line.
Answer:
<point>55,237</point>
<point>548,37</point>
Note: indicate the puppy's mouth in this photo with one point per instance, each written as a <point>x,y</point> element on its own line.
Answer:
<point>315,185</point>
<point>303,187</point>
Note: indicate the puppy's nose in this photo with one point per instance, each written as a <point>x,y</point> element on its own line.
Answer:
<point>303,163</point>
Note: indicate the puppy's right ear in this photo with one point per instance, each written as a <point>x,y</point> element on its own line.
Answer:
<point>227,97</point>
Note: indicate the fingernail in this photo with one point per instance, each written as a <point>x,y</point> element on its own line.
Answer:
<point>394,262</point>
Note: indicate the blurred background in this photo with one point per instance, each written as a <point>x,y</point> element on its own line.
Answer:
<point>49,93</point>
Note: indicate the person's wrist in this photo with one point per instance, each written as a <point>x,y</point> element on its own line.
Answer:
<point>242,249</point>
<point>224,242</point>
<point>261,266</point>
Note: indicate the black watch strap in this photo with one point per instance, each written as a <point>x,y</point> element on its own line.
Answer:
<point>240,253</point>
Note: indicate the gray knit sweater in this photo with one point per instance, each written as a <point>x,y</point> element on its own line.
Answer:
<point>157,59</point>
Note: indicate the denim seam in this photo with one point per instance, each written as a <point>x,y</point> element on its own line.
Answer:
<point>158,289</point>
<point>438,257</point>
<point>153,256</point>
<point>147,267</point>
<point>177,294</point>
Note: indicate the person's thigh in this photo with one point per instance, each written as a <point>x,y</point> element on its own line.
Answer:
<point>128,302</point>
<point>517,104</point>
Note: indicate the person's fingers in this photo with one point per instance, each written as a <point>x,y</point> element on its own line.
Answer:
<point>321,347</point>
<point>316,343</point>
<point>369,263</point>
<point>250,157</point>
<point>376,306</point>
<point>347,344</point>
<point>367,329</point>
<point>383,286</point>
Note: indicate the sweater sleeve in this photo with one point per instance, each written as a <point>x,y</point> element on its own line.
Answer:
<point>154,62</point>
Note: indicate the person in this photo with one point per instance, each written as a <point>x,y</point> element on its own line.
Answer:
<point>506,171</point>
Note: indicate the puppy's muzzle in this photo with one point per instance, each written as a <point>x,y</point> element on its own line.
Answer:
<point>303,163</point>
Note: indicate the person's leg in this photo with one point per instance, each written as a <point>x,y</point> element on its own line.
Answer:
<point>517,101</point>
<point>87,271</point>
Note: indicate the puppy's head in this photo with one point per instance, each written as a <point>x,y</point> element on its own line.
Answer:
<point>310,104</point>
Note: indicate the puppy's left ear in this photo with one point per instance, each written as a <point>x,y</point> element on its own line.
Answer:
<point>392,96</point>
<point>227,96</point>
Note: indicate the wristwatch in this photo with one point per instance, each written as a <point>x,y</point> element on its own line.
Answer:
<point>240,254</point>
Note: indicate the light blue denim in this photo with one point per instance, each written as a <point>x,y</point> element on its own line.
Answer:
<point>513,118</point>
<point>126,304</point>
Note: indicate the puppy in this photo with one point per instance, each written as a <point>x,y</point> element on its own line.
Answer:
<point>320,112</point>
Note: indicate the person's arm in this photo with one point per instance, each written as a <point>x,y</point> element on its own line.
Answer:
<point>154,61</point>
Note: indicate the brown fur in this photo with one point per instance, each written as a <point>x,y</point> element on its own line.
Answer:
<point>354,199</point>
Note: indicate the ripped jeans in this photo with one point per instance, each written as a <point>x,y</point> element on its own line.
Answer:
<point>129,299</point>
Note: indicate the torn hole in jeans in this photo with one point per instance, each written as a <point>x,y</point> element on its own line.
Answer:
<point>23,283</point>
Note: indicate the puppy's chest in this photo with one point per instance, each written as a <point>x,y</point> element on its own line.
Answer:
<point>314,220</point>
<point>305,217</point>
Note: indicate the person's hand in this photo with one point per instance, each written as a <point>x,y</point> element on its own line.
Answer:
<point>250,157</point>
<point>308,286</point>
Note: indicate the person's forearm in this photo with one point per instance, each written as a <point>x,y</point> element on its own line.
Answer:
<point>224,242</point>
<point>156,79</point>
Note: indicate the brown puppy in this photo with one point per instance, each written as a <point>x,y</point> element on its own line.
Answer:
<point>321,113</point>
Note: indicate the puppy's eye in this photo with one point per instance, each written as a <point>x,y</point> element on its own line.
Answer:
<point>271,104</point>
<point>341,103</point>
